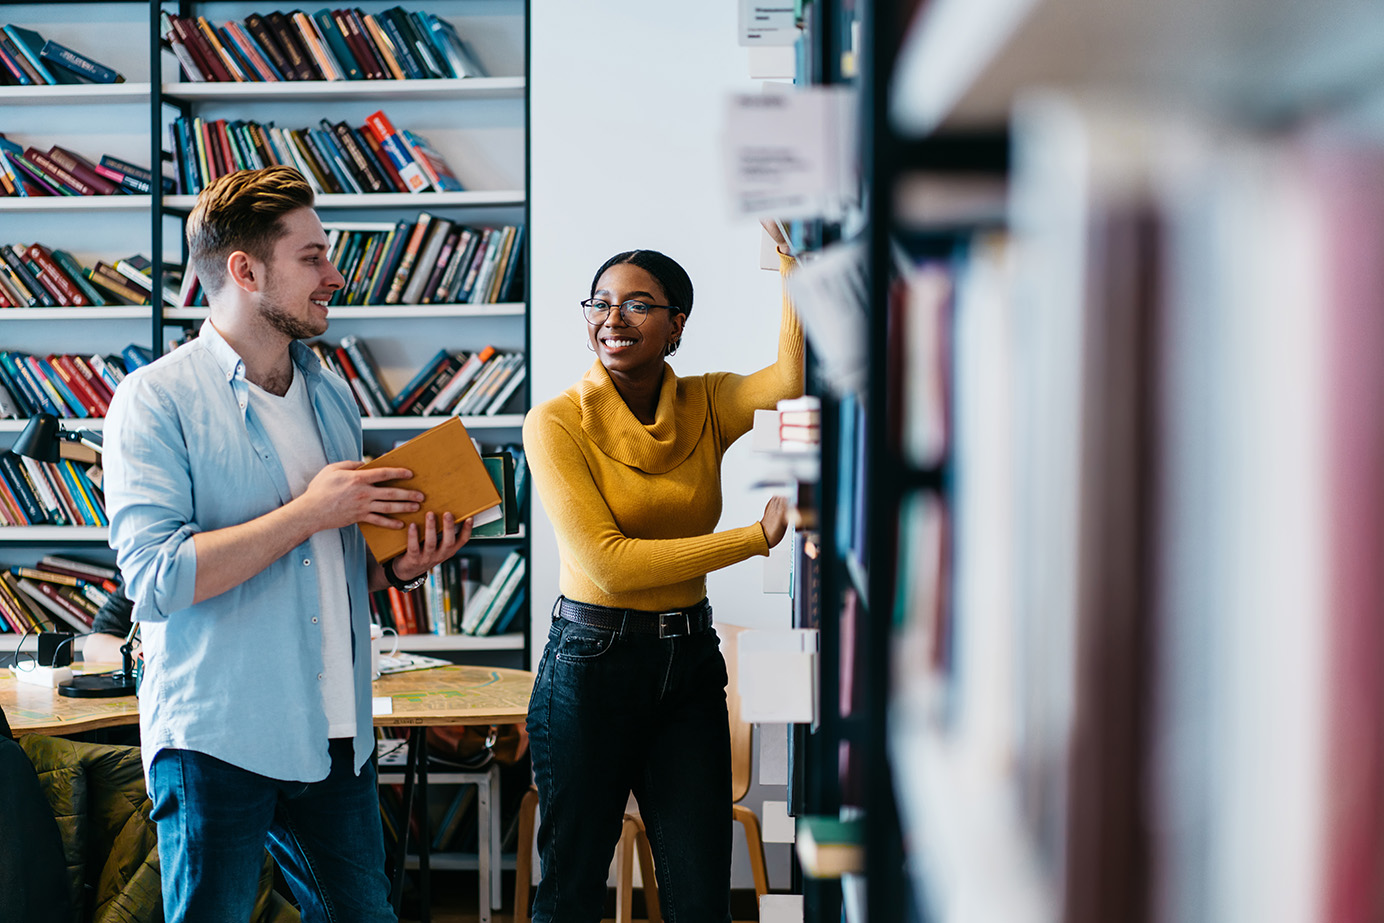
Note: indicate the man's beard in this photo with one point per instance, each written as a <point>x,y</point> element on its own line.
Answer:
<point>290,326</point>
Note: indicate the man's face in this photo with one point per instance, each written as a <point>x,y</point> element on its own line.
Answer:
<point>299,279</point>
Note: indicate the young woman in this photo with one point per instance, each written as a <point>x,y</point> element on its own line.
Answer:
<point>630,694</point>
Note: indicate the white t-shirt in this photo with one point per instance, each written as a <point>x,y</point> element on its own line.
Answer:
<point>292,427</point>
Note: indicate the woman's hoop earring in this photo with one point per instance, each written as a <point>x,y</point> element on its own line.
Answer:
<point>672,346</point>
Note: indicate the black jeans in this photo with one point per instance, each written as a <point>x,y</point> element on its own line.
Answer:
<point>613,713</point>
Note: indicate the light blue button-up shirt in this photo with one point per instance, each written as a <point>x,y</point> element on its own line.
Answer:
<point>235,676</point>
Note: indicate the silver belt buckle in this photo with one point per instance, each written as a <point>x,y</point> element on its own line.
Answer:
<point>670,629</point>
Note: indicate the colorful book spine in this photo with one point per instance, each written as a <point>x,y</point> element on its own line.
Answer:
<point>393,145</point>
<point>79,64</point>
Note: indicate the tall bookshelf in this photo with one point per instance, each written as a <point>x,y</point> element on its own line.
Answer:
<point>479,125</point>
<point>1113,622</point>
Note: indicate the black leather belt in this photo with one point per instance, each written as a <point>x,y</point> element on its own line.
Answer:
<point>675,623</point>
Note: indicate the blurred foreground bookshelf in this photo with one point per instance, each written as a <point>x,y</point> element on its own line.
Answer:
<point>1122,650</point>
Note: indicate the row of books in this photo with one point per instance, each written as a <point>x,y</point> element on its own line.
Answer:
<point>345,44</point>
<point>454,602</point>
<point>59,171</point>
<point>476,384</point>
<point>433,260</point>
<point>429,261</point>
<point>27,59</point>
<point>61,493</point>
<point>479,383</point>
<point>56,594</point>
<point>35,276</point>
<point>66,385</point>
<point>335,158</point>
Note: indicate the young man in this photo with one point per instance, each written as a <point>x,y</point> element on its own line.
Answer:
<point>234,490</point>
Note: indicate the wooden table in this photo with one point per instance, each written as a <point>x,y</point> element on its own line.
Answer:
<point>417,699</point>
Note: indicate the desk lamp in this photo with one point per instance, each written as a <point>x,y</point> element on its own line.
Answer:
<point>41,440</point>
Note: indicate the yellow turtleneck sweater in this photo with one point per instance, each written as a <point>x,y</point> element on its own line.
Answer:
<point>634,506</point>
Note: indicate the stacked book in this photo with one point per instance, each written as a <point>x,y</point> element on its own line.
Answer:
<point>800,424</point>
<point>61,493</point>
<point>345,44</point>
<point>27,59</point>
<point>64,384</point>
<point>59,171</point>
<point>335,158</point>
<point>430,261</point>
<point>56,594</point>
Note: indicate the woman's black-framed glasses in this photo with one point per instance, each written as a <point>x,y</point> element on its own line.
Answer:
<point>632,312</point>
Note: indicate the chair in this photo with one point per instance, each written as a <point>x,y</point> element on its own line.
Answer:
<point>633,837</point>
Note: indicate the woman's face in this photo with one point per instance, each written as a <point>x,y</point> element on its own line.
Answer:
<point>620,346</point>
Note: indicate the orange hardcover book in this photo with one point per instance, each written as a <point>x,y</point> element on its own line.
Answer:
<point>447,469</point>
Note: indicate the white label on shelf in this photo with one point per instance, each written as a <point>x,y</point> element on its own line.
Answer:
<point>381,705</point>
<point>770,23</point>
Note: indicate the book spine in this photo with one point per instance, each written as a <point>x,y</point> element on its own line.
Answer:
<point>22,490</point>
<point>44,491</point>
<point>390,142</point>
<point>380,157</point>
<point>365,367</point>
<point>250,51</point>
<point>57,173</point>
<point>38,295</point>
<point>218,50</point>
<point>401,47</point>
<point>316,47</point>
<point>10,65</point>
<point>72,295</point>
<point>427,258</point>
<point>415,243</point>
<point>507,391</point>
<point>17,373</point>
<point>418,400</point>
<point>354,27</point>
<point>57,385</point>
<point>383,45</point>
<point>191,69</point>
<point>197,49</point>
<point>82,171</point>
<point>30,55</point>
<point>79,64</point>
<point>359,55</point>
<point>259,29</point>
<point>335,43</point>
<point>299,61</point>
<point>78,385</point>
<point>444,259</point>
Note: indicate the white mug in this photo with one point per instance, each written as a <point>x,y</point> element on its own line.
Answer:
<point>376,643</point>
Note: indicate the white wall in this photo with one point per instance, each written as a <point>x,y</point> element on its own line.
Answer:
<point>626,107</point>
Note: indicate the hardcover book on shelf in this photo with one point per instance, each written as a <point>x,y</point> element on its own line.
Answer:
<point>28,44</point>
<point>79,65</point>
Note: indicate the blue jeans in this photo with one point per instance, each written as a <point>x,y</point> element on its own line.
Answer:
<point>215,820</point>
<point>613,713</point>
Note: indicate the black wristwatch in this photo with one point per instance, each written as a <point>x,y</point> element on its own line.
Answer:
<point>400,585</point>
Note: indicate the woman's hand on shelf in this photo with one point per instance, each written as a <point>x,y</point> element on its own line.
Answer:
<point>775,521</point>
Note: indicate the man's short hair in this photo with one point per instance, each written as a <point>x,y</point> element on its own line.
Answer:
<point>242,211</point>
